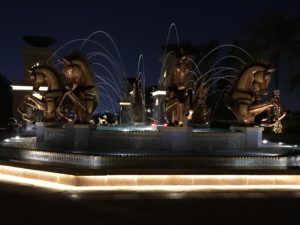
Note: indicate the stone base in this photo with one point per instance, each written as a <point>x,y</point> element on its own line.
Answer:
<point>177,139</point>
<point>40,130</point>
<point>69,137</point>
<point>83,138</point>
<point>253,136</point>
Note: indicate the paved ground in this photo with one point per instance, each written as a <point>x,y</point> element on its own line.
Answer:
<point>28,205</point>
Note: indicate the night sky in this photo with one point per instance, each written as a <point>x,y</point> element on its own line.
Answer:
<point>136,27</point>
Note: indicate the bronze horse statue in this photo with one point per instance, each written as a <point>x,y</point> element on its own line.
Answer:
<point>81,94</point>
<point>179,98</point>
<point>46,102</point>
<point>244,96</point>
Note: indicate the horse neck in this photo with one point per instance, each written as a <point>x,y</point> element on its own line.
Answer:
<point>52,81</point>
<point>87,79</point>
<point>245,81</point>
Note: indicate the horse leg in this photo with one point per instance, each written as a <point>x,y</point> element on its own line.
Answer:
<point>180,113</point>
<point>29,101</point>
<point>278,115</point>
<point>49,114</point>
<point>77,100</point>
<point>21,106</point>
<point>23,112</point>
<point>90,103</point>
<point>36,103</point>
<point>60,105</point>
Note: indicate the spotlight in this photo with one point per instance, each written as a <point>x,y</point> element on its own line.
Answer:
<point>265,141</point>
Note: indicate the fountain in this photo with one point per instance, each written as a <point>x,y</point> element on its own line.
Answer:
<point>184,105</point>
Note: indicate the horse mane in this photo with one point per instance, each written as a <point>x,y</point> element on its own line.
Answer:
<point>76,55</point>
<point>46,65</point>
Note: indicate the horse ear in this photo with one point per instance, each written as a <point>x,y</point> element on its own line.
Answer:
<point>64,61</point>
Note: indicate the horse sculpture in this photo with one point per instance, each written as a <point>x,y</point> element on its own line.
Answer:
<point>81,94</point>
<point>179,98</point>
<point>137,100</point>
<point>201,113</point>
<point>46,102</point>
<point>244,96</point>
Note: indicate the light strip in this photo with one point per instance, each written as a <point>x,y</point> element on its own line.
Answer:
<point>125,103</point>
<point>154,93</point>
<point>178,183</point>
<point>27,88</point>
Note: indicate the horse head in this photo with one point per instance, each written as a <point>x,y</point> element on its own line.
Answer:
<point>76,69</point>
<point>180,72</point>
<point>42,74</point>
<point>71,69</point>
<point>36,77</point>
<point>261,81</point>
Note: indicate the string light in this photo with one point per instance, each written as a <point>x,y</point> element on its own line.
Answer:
<point>277,128</point>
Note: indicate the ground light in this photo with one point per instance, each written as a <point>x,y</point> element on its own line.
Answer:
<point>177,183</point>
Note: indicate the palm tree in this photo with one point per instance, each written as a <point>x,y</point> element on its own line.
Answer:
<point>5,98</point>
<point>276,36</point>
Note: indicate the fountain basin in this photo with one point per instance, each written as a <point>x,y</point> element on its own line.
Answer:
<point>146,139</point>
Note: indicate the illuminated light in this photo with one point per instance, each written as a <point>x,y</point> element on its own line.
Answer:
<point>6,140</point>
<point>265,141</point>
<point>125,103</point>
<point>165,74</point>
<point>27,88</point>
<point>165,125</point>
<point>148,110</point>
<point>21,88</point>
<point>43,88</point>
<point>37,95</point>
<point>74,196</point>
<point>17,137</point>
<point>280,143</point>
<point>159,92</point>
<point>296,146</point>
<point>178,183</point>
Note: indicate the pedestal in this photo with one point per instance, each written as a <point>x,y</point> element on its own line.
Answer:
<point>177,139</point>
<point>77,136</point>
<point>40,130</point>
<point>253,136</point>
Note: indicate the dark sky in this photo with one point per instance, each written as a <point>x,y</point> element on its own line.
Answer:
<point>136,26</point>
